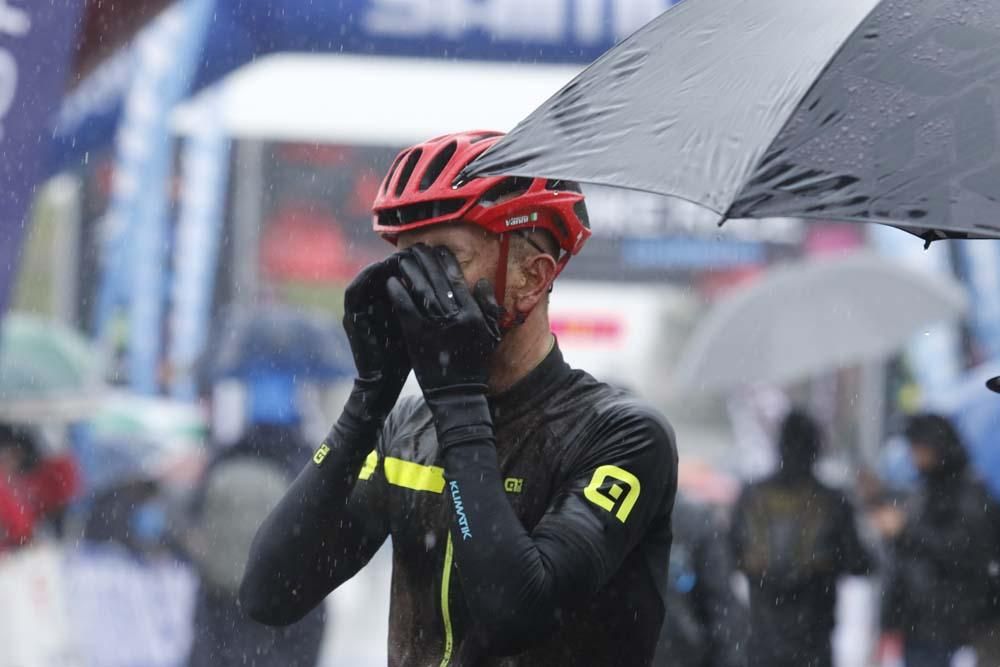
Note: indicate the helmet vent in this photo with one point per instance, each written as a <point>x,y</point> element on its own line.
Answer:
<point>392,171</point>
<point>414,213</point>
<point>580,209</point>
<point>561,224</point>
<point>508,188</point>
<point>407,171</point>
<point>437,165</point>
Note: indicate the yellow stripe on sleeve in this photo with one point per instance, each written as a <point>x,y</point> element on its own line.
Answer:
<point>414,476</point>
<point>369,467</point>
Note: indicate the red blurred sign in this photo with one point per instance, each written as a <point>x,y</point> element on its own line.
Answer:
<point>593,328</point>
<point>302,245</point>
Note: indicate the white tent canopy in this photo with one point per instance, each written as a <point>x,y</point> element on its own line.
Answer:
<point>371,100</point>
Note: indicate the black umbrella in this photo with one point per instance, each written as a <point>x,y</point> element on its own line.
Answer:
<point>861,110</point>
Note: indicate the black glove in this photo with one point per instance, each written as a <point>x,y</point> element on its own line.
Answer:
<point>449,331</point>
<point>376,343</point>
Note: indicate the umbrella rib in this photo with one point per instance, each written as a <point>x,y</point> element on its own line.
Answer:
<point>916,230</point>
<point>797,106</point>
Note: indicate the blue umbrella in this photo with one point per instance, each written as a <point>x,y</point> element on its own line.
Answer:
<point>280,341</point>
<point>977,415</point>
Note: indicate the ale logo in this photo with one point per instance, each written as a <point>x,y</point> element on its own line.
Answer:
<point>613,489</point>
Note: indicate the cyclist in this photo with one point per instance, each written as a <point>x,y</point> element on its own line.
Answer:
<point>529,504</point>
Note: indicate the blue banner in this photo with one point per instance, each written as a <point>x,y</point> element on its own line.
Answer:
<point>90,112</point>
<point>554,31</point>
<point>691,254</point>
<point>205,172</point>
<point>135,229</point>
<point>528,31</point>
<point>36,39</point>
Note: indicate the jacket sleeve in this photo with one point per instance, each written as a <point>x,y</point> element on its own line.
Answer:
<point>958,547</point>
<point>893,611</point>
<point>17,520</point>
<point>724,615</point>
<point>52,484</point>
<point>853,555</point>
<point>327,527</point>
<point>738,531</point>
<point>516,582</point>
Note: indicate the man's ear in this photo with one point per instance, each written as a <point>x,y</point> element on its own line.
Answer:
<point>539,271</point>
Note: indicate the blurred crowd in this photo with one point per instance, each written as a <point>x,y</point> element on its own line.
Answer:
<point>932,553</point>
<point>123,538</point>
<point>151,574</point>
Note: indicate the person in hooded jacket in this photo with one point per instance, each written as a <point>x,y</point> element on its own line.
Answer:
<point>241,484</point>
<point>33,488</point>
<point>706,625</point>
<point>943,547</point>
<point>794,537</point>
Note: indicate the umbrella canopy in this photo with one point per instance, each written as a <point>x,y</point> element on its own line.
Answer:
<point>40,359</point>
<point>134,437</point>
<point>809,318</point>
<point>976,413</point>
<point>864,110</point>
<point>281,341</point>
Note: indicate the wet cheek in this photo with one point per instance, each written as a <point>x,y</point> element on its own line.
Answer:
<point>476,271</point>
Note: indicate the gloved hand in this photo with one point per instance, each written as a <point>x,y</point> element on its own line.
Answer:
<point>376,343</point>
<point>449,331</point>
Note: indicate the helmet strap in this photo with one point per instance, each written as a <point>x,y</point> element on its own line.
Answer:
<point>508,320</point>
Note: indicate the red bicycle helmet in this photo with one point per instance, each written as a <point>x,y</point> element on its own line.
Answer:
<point>425,187</point>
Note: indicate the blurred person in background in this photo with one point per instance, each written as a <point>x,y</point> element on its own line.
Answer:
<point>943,549</point>
<point>33,488</point>
<point>706,624</point>
<point>794,537</point>
<point>528,504</point>
<point>128,513</point>
<point>241,485</point>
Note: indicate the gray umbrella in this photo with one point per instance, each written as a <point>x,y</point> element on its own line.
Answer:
<point>807,318</point>
<point>860,110</point>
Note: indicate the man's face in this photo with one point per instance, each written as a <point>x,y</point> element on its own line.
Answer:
<point>925,457</point>
<point>477,251</point>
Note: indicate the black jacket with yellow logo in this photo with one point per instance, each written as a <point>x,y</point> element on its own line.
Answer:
<point>546,546</point>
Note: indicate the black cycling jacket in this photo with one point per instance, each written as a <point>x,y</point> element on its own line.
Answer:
<point>544,543</point>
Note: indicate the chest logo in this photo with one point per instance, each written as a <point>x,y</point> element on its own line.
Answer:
<point>613,489</point>
<point>321,453</point>
<point>513,484</point>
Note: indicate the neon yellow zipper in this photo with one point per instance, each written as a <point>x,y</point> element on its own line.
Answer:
<point>449,640</point>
